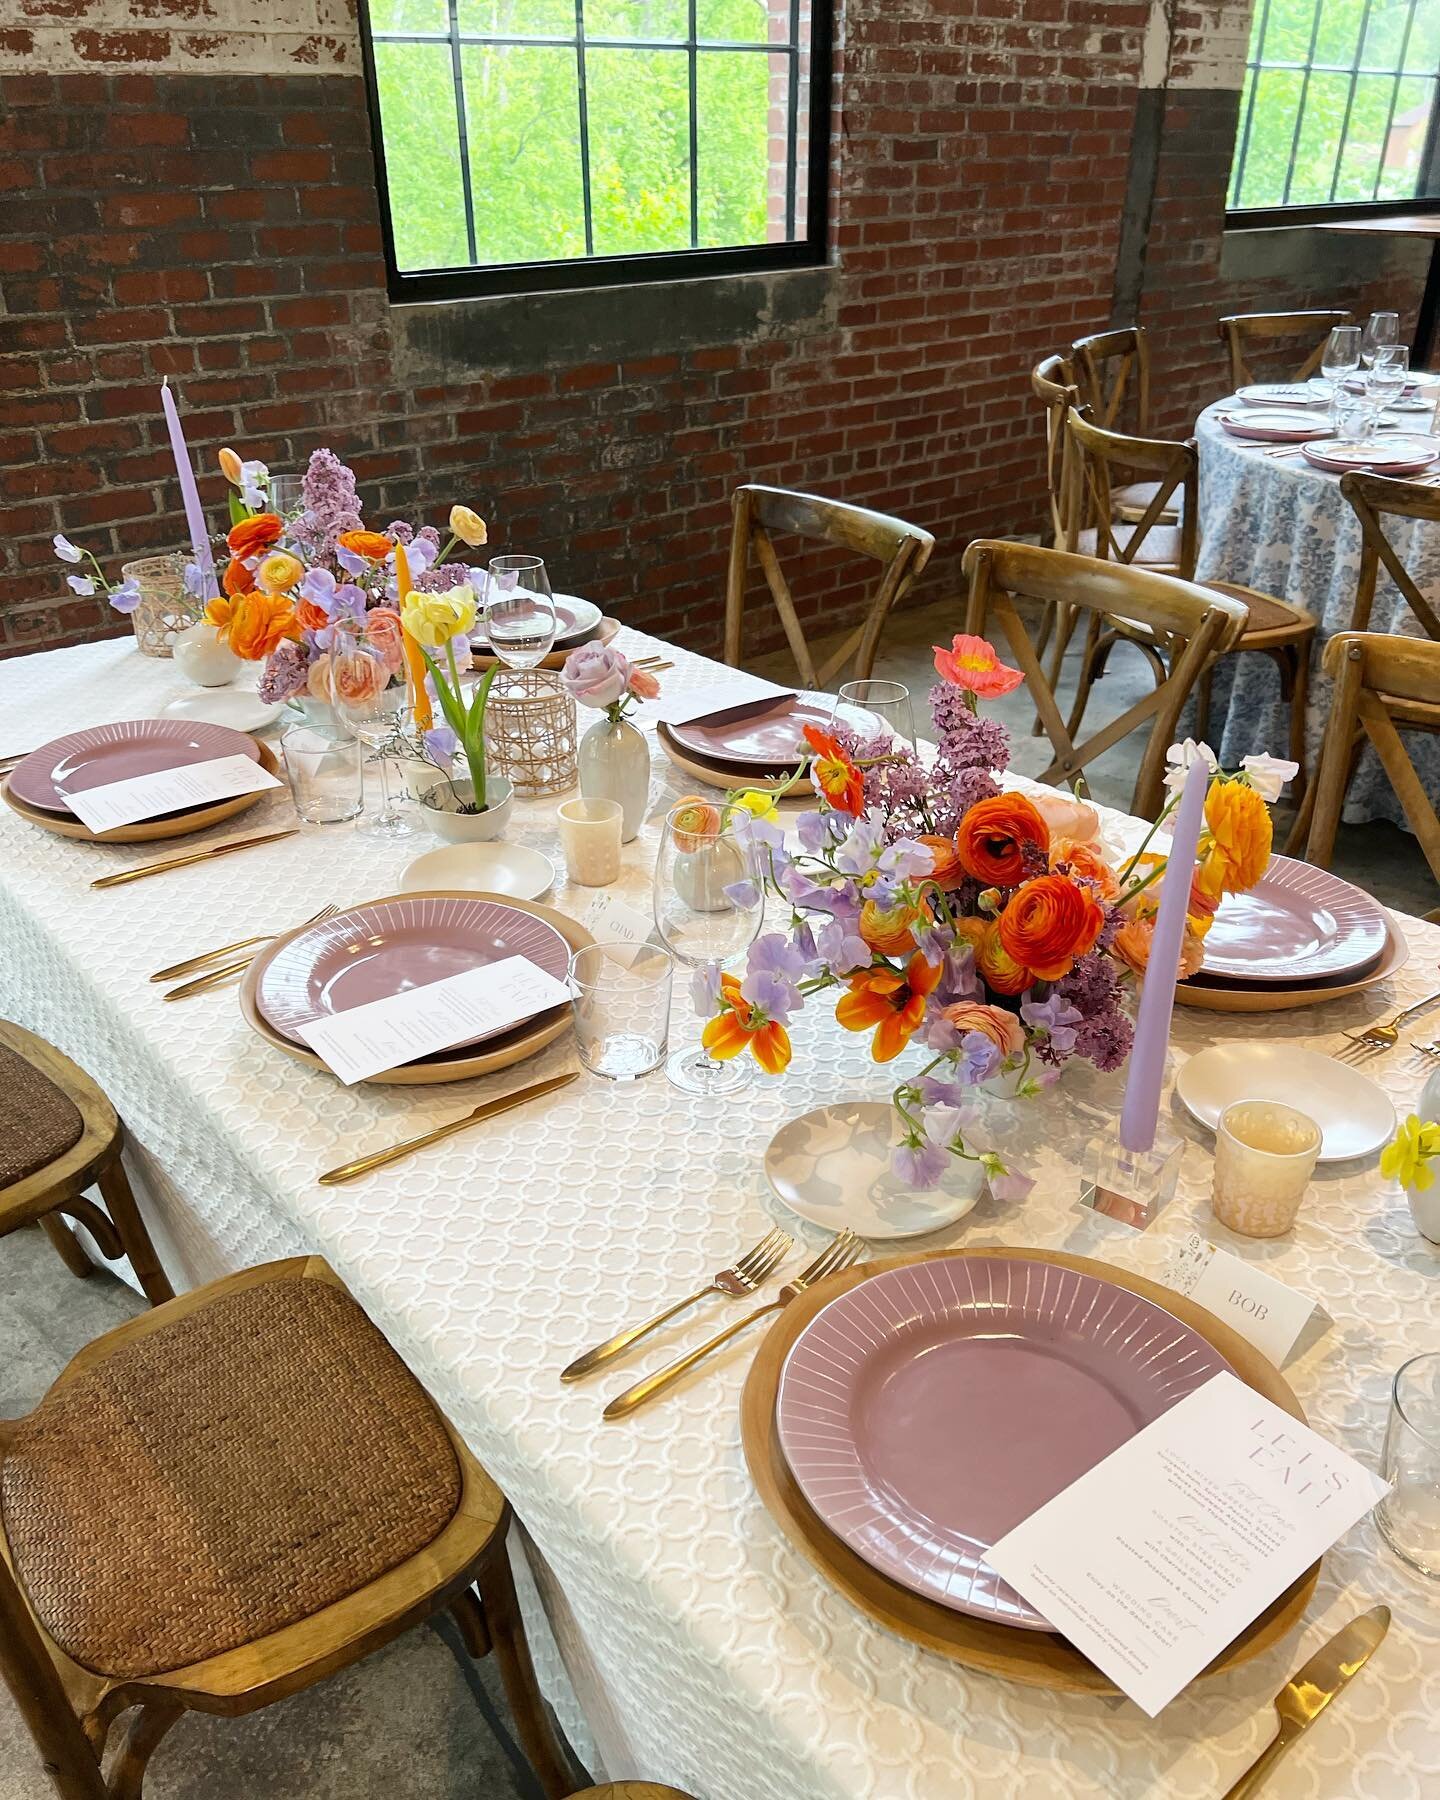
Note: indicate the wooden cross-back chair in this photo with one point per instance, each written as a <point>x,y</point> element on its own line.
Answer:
<point>1192,625</point>
<point>225,1500</point>
<point>1111,369</point>
<point>902,551</point>
<point>1373,498</point>
<point>1274,628</point>
<point>1244,333</point>
<point>1052,381</point>
<point>1383,685</point>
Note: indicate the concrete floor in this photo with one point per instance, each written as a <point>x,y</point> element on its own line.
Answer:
<point>400,1726</point>
<point>1380,858</point>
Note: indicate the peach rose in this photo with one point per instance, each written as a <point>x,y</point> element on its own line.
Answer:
<point>1067,817</point>
<point>1049,923</point>
<point>386,636</point>
<point>317,682</point>
<point>1003,1029</point>
<point>358,677</point>
<point>990,839</point>
<point>643,685</point>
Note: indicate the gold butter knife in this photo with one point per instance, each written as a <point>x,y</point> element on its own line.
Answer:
<point>1308,1692</point>
<point>180,862</point>
<point>491,1109</point>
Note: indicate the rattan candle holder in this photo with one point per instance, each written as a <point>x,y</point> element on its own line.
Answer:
<point>165,608</point>
<point>530,732</point>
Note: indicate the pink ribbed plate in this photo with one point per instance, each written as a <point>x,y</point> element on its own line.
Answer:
<point>929,1410</point>
<point>1297,923</point>
<point>105,753</point>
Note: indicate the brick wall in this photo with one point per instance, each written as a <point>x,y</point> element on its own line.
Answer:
<point>200,204</point>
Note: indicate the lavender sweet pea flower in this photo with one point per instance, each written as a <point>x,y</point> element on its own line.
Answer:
<point>818,830</point>
<point>350,561</point>
<point>1006,1184</point>
<point>842,947</point>
<point>919,1166</point>
<point>744,894</point>
<point>194,581</point>
<point>705,989</point>
<point>1056,1017</point>
<point>862,846</point>
<point>802,941</point>
<point>776,955</point>
<point>776,997</point>
<point>976,1060</point>
<point>80,584</point>
<point>126,597</point>
<point>318,587</point>
<point>441,746</point>
<point>66,551</point>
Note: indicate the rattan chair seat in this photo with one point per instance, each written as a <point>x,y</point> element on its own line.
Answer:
<point>1267,613</point>
<point>38,1123</point>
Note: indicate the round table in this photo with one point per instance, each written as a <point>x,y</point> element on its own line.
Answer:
<point>1282,526</point>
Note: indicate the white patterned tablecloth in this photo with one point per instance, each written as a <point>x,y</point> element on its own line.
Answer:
<point>1282,526</point>
<point>708,1653</point>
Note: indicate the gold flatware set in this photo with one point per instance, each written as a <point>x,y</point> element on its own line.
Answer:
<point>1382,1036</point>
<point>196,856</point>
<point>488,1109</point>
<point>214,976</point>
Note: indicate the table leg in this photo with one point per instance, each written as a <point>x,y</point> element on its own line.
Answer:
<point>1424,345</point>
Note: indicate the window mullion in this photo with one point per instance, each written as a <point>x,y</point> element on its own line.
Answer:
<point>693,54</point>
<point>457,73</point>
<point>584,118</point>
<point>792,118</point>
<point>1394,98</point>
<point>1304,95</point>
<point>1244,151</point>
<point>1349,101</point>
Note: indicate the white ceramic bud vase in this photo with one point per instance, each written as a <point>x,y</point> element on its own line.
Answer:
<point>203,657</point>
<point>1425,1203</point>
<point>615,765</point>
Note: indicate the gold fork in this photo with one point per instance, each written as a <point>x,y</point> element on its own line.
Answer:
<point>838,1254</point>
<point>747,1273</point>
<point>1386,1035</point>
<point>192,963</point>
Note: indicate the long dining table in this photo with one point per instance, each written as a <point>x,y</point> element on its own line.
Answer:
<point>683,1639</point>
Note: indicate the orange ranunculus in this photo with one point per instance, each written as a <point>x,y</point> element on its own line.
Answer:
<point>1132,944</point>
<point>694,822</point>
<point>252,537</point>
<point>894,1004</point>
<point>1200,908</point>
<point>990,839</point>
<point>971,663</point>
<point>386,636</point>
<point>889,929</point>
<point>253,624</point>
<point>736,1029</point>
<point>311,616</point>
<point>373,545</point>
<point>1240,836</point>
<point>835,777</point>
<point>1002,1028</point>
<point>1086,861</point>
<point>1048,924</point>
<point>238,579</point>
<point>998,968</point>
<point>947,873</point>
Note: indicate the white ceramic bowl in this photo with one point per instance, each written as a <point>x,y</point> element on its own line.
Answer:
<point>511,869</point>
<point>1354,1116</point>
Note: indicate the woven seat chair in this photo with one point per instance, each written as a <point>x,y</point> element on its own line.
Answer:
<point>1111,369</point>
<point>59,1136</point>
<point>1275,335</point>
<point>631,1790</point>
<point>225,1500</point>
<point>760,512</point>
<point>1190,625</point>
<point>1275,628</point>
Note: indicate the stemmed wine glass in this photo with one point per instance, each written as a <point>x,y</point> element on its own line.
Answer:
<point>1385,380</point>
<point>520,617</point>
<point>1340,359</point>
<point>1381,328</point>
<point>708,909</point>
<point>377,710</point>
<point>862,706</point>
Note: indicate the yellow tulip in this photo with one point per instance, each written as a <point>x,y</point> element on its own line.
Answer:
<point>468,526</point>
<point>279,572</point>
<point>433,619</point>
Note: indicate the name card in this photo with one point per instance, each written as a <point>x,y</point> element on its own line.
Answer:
<point>623,929</point>
<point>476,1003</point>
<point>168,790</point>
<point>1153,1561</point>
<point>688,707</point>
<point>1264,1311</point>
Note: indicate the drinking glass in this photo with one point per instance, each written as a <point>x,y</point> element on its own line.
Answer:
<point>1386,378</point>
<point>622,1010</point>
<point>590,839</point>
<point>286,495</point>
<point>1409,1515</point>
<point>519,610</point>
<point>326,780</point>
<point>1341,356</point>
<point>1351,415</point>
<point>1380,328</point>
<point>380,716</point>
<point>1265,1154</point>
<point>862,703</point>
<point>709,909</point>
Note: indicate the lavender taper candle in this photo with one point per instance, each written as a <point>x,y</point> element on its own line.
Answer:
<point>190,495</point>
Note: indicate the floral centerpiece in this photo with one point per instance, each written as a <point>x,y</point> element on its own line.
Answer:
<point>995,928</point>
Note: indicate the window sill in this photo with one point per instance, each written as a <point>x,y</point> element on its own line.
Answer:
<point>1286,218</point>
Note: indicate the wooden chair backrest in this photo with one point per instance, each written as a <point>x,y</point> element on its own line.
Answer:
<point>34,1681</point>
<point>901,550</point>
<point>1242,332</point>
<point>1372,497</point>
<point>1195,624</point>
<point>1109,365</point>
<point>1175,468</point>
<point>1378,679</point>
<point>1053,383</point>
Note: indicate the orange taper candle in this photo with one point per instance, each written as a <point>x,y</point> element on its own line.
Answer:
<point>414,661</point>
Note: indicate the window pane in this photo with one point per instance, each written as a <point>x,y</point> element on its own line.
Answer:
<point>1400,176</point>
<point>1422,54</point>
<point>523,114</point>
<point>637,18</point>
<point>422,155</point>
<point>1233,197</point>
<point>1361,161</point>
<point>409,15</point>
<point>1339,35</point>
<point>1287,34</point>
<point>1319,144</point>
<point>741,103</point>
<point>516,18</point>
<point>1272,129</point>
<point>1384,34</point>
<point>639,109</point>
<point>743,21</point>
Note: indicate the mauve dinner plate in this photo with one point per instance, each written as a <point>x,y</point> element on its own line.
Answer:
<point>1277,426</point>
<point>928,1411</point>
<point>371,952</point>
<point>1398,455</point>
<point>1297,923</point>
<point>106,753</point>
<point>763,736</point>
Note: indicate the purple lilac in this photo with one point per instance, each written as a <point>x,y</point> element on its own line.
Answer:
<point>285,672</point>
<point>332,504</point>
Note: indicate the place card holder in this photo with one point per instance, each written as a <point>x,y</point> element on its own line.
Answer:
<point>1130,1186</point>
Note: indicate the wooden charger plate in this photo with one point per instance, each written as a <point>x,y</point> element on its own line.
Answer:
<point>1033,1658</point>
<point>1261,999</point>
<point>602,634</point>
<point>511,1047</point>
<point>725,775</point>
<point>145,831</point>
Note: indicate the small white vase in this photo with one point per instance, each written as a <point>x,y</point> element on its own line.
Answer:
<point>440,809</point>
<point>702,876</point>
<point>615,765</point>
<point>203,657</point>
<point>1425,1207</point>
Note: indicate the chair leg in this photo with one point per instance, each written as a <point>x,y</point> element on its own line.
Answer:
<point>114,1187</point>
<point>65,1241</point>
<point>147,1728</point>
<point>1299,700</point>
<point>469,1615</point>
<point>1065,621</point>
<point>506,1632</point>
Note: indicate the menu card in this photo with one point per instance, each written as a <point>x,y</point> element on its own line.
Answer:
<point>1159,1556</point>
<point>1265,1312</point>
<point>168,790</point>
<point>475,1003</point>
<point>736,690</point>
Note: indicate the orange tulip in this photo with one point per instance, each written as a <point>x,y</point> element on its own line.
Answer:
<point>1049,923</point>
<point>251,537</point>
<point>892,1003</point>
<point>739,1028</point>
<point>373,545</point>
<point>990,840</point>
<point>836,777</point>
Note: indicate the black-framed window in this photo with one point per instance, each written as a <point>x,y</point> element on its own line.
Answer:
<point>1338,111</point>
<point>533,144</point>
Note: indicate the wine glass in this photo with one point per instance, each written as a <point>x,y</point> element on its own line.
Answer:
<point>1341,357</point>
<point>377,710</point>
<point>1385,379</point>
<point>1381,328</point>
<point>869,707</point>
<point>708,909</point>
<point>519,611</point>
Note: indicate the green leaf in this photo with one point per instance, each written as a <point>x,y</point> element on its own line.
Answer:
<point>239,511</point>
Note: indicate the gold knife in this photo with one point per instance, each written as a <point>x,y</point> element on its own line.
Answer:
<point>180,862</point>
<point>1308,1692</point>
<point>490,1109</point>
<point>214,977</point>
